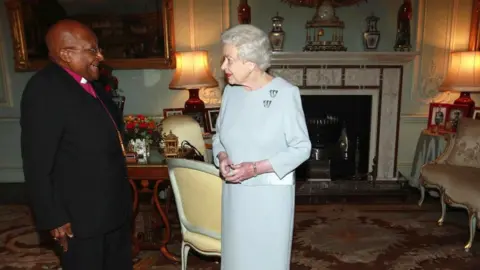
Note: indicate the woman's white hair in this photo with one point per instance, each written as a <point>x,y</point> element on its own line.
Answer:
<point>252,44</point>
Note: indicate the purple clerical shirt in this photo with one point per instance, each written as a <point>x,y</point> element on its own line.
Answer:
<point>83,82</point>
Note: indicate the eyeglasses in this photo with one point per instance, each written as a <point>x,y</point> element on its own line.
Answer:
<point>94,51</point>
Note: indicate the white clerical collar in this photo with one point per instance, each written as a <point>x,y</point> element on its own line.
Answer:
<point>83,81</point>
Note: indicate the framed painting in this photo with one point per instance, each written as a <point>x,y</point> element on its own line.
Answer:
<point>5,89</point>
<point>132,34</point>
<point>474,41</point>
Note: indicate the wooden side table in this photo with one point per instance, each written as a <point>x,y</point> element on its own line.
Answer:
<point>142,177</point>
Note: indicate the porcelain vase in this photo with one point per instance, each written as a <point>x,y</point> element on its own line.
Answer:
<point>142,148</point>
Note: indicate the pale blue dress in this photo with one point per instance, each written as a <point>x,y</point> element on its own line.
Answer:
<point>257,215</point>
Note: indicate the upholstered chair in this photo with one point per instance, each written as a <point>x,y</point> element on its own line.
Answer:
<point>198,195</point>
<point>456,174</point>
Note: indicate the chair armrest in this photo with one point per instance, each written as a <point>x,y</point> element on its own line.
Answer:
<point>450,138</point>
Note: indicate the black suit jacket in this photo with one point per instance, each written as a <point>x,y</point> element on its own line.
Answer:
<point>72,160</point>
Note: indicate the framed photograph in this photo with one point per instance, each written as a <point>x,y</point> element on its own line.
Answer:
<point>212,115</point>
<point>454,114</point>
<point>437,116</point>
<point>172,111</point>
<point>476,113</point>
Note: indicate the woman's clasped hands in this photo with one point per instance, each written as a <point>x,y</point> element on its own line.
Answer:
<point>235,173</point>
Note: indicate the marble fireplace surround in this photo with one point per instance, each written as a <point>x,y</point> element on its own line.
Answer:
<point>378,74</point>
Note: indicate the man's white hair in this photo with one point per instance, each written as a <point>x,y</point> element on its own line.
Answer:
<point>252,44</point>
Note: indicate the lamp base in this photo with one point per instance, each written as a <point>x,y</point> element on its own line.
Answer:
<point>195,107</point>
<point>194,103</point>
<point>465,99</point>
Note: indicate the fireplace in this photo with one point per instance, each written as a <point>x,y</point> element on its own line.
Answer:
<point>349,98</point>
<point>339,128</point>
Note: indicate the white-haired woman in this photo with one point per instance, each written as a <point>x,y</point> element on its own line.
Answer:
<point>261,138</point>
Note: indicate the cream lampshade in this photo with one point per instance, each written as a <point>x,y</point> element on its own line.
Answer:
<point>192,73</point>
<point>463,76</point>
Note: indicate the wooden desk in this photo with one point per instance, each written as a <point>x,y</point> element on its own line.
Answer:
<point>142,177</point>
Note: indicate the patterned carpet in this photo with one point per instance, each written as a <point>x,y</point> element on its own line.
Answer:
<point>327,237</point>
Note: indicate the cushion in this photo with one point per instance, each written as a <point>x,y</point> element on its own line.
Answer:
<point>461,184</point>
<point>202,242</point>
<point>440,174</point>
<point>466,149</point>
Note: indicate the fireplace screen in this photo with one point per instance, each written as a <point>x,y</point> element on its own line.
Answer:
<point>339,128</point>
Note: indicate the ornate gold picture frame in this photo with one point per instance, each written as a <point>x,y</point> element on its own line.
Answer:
<point>141,37</point>
<point>474,42</point>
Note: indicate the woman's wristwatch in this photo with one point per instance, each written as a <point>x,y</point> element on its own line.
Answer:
<point>254,169</point>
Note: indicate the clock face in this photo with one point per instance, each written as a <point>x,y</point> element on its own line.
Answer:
<point>315,3</point>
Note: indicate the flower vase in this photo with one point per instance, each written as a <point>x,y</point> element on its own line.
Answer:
<point>243,10</point>
<point>371,37</point>
<point>404,16</point>
<point>142,148</point>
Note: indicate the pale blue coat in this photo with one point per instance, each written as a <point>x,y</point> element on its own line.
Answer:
<point>257,215</point>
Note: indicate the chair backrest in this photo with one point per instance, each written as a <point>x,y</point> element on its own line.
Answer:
<point>186,129</point>
<point>466,148</point>
<point>198,195</point>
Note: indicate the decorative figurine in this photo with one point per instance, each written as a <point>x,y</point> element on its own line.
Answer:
<point>404,16</point>
<point>171,145</point>
<point>371,37</point>
<point>277,35</point>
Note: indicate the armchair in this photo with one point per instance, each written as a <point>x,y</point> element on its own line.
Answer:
<point>455,174</point>
<point>198,195</point>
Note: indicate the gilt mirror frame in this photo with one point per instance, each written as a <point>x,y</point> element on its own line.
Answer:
<point>23,63</point>
<point>474,42</point>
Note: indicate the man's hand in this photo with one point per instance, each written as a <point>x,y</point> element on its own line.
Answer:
<point>61,233</point>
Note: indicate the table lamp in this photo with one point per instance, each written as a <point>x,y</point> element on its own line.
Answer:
<point>192,73</point>
<point>463,76</point>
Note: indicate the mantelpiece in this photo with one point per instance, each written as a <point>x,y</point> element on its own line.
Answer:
<point>343,58</point>
<point>376,74</point>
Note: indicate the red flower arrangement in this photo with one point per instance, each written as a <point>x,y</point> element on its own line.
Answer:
<point>141,127</point>
<point>108,80</point>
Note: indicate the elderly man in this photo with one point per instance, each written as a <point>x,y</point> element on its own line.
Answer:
<point>73,157</point>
